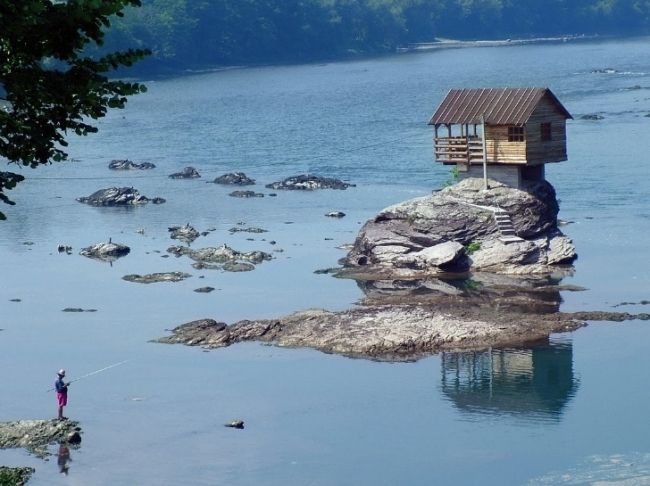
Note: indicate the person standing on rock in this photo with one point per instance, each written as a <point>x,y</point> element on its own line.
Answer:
<point>61,393</point>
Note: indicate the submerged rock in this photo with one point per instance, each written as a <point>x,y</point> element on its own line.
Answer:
<point>157,277</point>
<point>36,435</point>
<point>592,116</point>
<point>403,240</point>
<point>186,173</point>
<point>234,179</point>
<point>118,196</point>
<point>129,165</point>
<point>105,251</point>
<point>308,182</point>
<point>184,233</point>
<point>335,214</point>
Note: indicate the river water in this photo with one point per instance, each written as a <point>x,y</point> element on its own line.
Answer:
<point>571,411</point>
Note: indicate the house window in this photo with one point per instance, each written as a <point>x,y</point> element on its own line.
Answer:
<point>545,132</point>
<point>515,134</point>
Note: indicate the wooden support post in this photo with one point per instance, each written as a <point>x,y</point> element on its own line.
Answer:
<point>485,182</point>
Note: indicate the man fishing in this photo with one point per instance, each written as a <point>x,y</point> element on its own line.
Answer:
<point>61,393</point>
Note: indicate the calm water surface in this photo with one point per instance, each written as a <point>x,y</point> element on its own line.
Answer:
<point>571,411</point>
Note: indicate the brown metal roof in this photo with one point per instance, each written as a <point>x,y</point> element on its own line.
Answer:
<point>500,106</point>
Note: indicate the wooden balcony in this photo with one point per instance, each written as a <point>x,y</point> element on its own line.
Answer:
<point>453,150</point>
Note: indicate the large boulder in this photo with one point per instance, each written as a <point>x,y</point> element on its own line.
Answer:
<point>118,196</point>
<point>308,182</point>
<point>404,240</point>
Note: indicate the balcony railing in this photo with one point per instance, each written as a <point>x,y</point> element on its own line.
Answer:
<point>466,150</point>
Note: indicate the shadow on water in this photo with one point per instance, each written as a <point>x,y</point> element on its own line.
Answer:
<point>534,384</point>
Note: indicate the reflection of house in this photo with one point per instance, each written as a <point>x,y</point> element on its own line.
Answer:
<point>530,382</point>
<point>515,131</point>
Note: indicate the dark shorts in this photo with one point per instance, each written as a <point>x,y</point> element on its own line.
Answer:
<point>62,398</point>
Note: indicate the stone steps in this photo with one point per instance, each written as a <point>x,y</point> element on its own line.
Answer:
<point>505,227</point>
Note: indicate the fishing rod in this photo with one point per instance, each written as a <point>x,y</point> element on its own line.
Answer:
<point>95,372</point>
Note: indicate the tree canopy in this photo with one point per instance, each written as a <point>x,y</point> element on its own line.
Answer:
<point>199,33</point>
<point>49,85</point>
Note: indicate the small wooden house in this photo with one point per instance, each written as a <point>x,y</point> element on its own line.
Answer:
<point>506,133</point>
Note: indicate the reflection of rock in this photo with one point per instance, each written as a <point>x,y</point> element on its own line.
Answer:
<point>118,196</point>
<point>129,165</point>
<point>536,382</point>
<point>105,251</point>
<point>186,173</point>
<point>309,182</point>
<point>397,242</point>
<point>157,277</point>
<point>527,293</point>
<point>184,233</point>
<point>15,476</point>
<point>36,435</point>
<point>235,179</point>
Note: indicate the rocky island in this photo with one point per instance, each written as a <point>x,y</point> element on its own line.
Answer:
<point>439,275</point>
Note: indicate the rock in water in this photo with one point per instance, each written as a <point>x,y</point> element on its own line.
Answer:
<point>309,182</point>
<point>117,196</point>
<point>245,194</point>
<point>157,277</point>
<point>129,165</point>
<point>184,233</point>
<point>401,241</point>
<point>335,214</point>
<point>186,173</point>
<point>235,424</point>
<point>235,179</point>
<point>36,435</point>
<point>105,251</point>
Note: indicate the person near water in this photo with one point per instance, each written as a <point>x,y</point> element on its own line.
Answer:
<point>61,393</point>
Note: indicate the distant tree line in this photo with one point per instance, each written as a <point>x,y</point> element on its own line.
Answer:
<point>195,33</point>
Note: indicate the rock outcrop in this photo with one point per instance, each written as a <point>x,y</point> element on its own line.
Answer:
<point>36,435</point>
<point>234,179</point>
<point>186,173</point>
<point>308,182</point>
<point>455,230</point>
<point>129,165</point>
<point>106,251</point>
<point>118,196</point>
